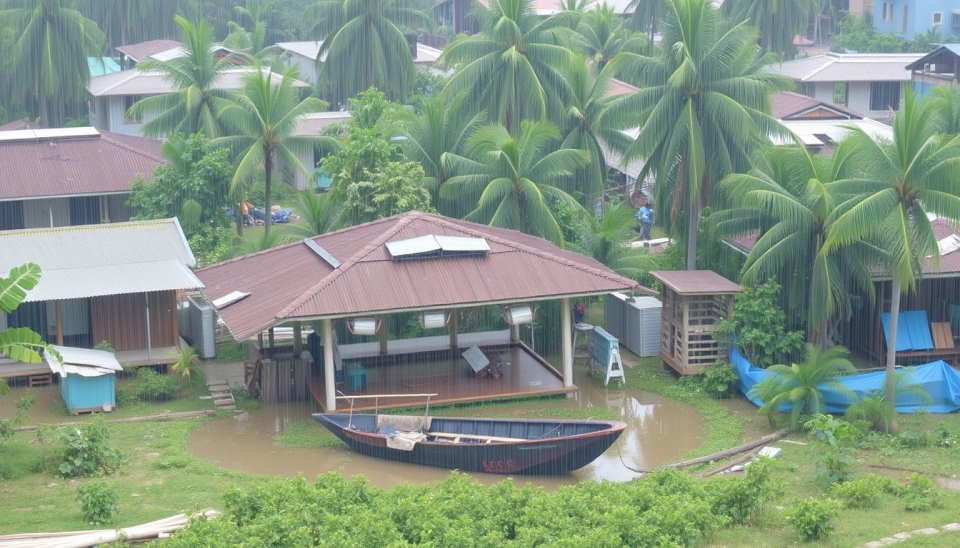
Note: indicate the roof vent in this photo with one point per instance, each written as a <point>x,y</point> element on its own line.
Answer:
<point>949,244</point>
<point>433,245</point>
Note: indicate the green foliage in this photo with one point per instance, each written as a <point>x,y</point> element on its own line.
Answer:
<point>427,85</point>
<point>921,494</point>
<point>719,380</point>
<point>306,434</point>
<point>187,365</point>
<point>105,346</point>
<point>211,244</point>
<point>232,351</point>
<point>20,344</point>
<point>397,188</point>
<point>874,410</point>
<point>864,493</point>
<point>757,326</point>
<point>98,502</point>
<point>833,449</point>
<point>859,35</point>
<point>740,499</point>
<point>812,518</point>
<point>8,426</point>
<point>84,451</point>
<point>154,386</point>
<point>14,287</point>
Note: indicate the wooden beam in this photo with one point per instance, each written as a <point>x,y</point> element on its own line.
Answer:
<point>382,332</point>
<point>453,328</point>
<point>297,339</point>
<point>58,307</point>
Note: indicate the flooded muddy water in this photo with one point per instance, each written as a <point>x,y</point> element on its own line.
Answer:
<point>659,431</point>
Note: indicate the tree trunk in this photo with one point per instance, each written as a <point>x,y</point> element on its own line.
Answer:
<point>693,226</point>
<point>891,382</point>
<point>44,121</point>
<point>239,215</point>
<point>268,188</point>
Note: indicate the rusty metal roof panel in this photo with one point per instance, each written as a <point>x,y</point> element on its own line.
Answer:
<point>696,282</point>
<point>142,50</point>
<point>291,282</point>
<point>76,165</point>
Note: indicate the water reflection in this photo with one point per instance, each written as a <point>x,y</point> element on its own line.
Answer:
<point>659,431</point>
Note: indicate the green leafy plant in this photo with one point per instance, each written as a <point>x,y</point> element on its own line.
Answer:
<point>719,380</point>
<point>833,449</point>
<point>187,365</point>
<point>742,498</point>
<point>105,346</point>
<point>84,451</point>
<point>98,502</point>
<point>875,410</point>
<point>921,494</point>
<point>812,518</point>
<point>866,492</point>
<point>757,326</point>
<point>8,426</point>
<point>154,386</point>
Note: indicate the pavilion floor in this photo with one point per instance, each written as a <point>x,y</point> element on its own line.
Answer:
<point>425,366</point>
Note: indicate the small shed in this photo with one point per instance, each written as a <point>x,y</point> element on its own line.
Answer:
<point>694,301</point>
<point>87,378</point>
<point>635,321</point>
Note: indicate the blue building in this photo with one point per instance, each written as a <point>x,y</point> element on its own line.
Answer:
<point>908,18</point>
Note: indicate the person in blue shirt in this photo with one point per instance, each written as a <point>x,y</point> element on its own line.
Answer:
<point>645,216</point>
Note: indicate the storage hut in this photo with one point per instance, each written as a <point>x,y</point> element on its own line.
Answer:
<point>693,302</point>
<point>87,378</point>
<point>635,321</point>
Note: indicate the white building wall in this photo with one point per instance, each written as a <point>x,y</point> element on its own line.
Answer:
<point>308,67</point>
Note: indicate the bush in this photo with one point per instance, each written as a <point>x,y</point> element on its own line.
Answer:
<point>85,452</point>
<point>833,449</point>
<point>98,502</point>
<point>719,380</point>
<point>865,492</point>
<point>154,386</point>
<point>742,498</point>
<point>812,518</point>
<point>921,494</point>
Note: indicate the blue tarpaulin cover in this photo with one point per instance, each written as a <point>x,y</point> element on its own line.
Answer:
<point>940,380</point>
<point>913,331</point>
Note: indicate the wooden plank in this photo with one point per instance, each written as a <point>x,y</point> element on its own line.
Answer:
<point>474,437</point>
<point>942,335</point>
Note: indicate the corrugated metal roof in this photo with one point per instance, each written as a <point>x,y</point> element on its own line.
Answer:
<point>137,82</point>
<point>70,166</point>
<point>83,361</point>
<point>291,282</point>
<point>944,54</point>
<point>696,282</point>
<point>142,50</point>
<point>809,130</point>
<point>788,104</point>
<point>105,259</point>
<point>310,49</point>
<point>848,67</point>
<point>313,123</point>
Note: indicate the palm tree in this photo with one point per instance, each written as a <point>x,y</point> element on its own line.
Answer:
<point>947,101</point>
<point>786,201</point>
<point>801,385</point>
<point>318,212</point>
<point>255,243</point>
<point>264,116</point>
<point>49,58</point>
<point>513,181</point>
<point>779,21</point>
<point>874,409</point>
<point>132,21</point>
<point>601,34</point>
<point>584,127</point>
<point>443,127</point>
<point>646,15</point>
<point>608,241</point>
<point>197,103</point>
<point>903,181</point>
<point>364,45</point>
<point>701,111</point>
<point>513,68</point>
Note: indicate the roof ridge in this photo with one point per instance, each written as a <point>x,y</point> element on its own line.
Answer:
<point>133,73</point>
<point>107,136</point>
<point>404,220</point>
<point>86,228</point>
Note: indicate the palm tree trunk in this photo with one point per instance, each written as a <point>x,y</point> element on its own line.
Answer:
<point>891,382</point>
<point>268,189</point>
<point>693,226</point>
<point>239,216</point>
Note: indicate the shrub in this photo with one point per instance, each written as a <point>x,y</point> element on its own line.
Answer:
<point>833,449</point>
<point>84,451</point>
<point>812,518</point>
<point>741,498</point>
<point>154,386</point>
<point>720,380</point>
<point>921,494</point>
<point>865,492</point>
<point>98,502</point>
<point>758,326</point>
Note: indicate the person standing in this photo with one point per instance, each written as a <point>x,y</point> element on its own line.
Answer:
<point>645,216</point>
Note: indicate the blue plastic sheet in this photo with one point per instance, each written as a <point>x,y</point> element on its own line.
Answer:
<point>940,380</point>
<point>913,330</point>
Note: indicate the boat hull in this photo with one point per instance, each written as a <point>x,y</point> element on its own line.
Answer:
<point>547,447</point>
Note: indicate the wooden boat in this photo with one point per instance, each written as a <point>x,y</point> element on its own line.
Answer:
<point>495,446</point>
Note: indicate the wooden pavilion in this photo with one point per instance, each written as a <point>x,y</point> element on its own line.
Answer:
<point>435,267</point>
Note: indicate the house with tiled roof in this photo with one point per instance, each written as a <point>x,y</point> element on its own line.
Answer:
<point>819,124</point>
<point>70,176</point>
<point>870,83</point>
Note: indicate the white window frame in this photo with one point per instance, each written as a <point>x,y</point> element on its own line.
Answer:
<point>937,18</point>
<point>887,11</point>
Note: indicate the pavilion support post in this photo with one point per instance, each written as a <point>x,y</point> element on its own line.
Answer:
<point>297,339</point>
<point>329,381</point>
<point>382,320</point>
<point>270,338</point>
<point>453,329</point>
<point>514,333</point>
<point>567,341</point>
<point>58,307</point>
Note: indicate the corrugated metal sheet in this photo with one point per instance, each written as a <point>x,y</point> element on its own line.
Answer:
<point>808,130</point>
<point>312,123</point>
<point>291,282</point>
<point>106,259</point>
<point>789,104</point>
<point>71,166</point>
<point>696,282</point>
<point>848,67</point>
<point>136,82</point>
<point>142,50</point>
<point>83,361</point>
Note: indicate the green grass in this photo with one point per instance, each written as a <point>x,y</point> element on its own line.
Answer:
<point>308,433</point>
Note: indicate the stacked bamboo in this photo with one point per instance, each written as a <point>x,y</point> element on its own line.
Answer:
<point>84,539</point>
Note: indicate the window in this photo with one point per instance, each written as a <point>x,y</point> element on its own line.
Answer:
<point>888,11</point>
<point>128,101</point>
<point>937,18</point>
<point>884,95</point>
<point>956,19</point>
<point>904,19</point>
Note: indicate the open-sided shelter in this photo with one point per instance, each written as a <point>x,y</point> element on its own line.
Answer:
<point>114,282</point>
<point>413,262</point>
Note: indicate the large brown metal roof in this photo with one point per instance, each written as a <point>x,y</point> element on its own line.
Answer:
<point>293,282</point>
<point>696,282</point>
<point>97,163</point>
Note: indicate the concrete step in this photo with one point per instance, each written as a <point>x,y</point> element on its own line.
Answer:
<point>227,407</point>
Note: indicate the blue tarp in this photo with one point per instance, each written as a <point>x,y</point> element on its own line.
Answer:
<point>913,330</point>
<point>940,380</point>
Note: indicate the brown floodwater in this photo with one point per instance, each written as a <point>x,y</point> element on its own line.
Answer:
<point>659,431</point>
